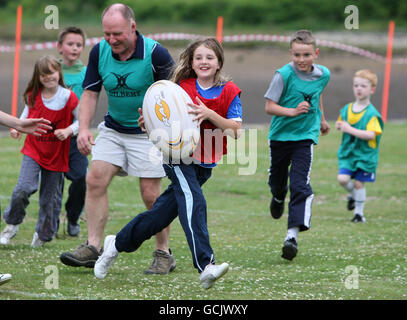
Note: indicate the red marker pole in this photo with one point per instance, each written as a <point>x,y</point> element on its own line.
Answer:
<point>16,61</point>
<point>386,86</point>
<point>219,29</point>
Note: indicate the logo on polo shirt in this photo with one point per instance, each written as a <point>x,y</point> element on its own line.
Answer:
<point>121,81</point>
<point>122,89</point>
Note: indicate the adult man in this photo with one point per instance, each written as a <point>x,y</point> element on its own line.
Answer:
<point>126,64</point>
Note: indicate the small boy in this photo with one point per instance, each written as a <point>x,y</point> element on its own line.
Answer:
<point>294,100</point>
<point>71,42</point>
<point>358,154</point>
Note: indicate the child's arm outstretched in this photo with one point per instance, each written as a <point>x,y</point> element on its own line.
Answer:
<point>17,134</point>
<point>202,112</point>
<point>35,126</point>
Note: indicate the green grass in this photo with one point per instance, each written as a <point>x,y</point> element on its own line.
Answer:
<point>242,233</point>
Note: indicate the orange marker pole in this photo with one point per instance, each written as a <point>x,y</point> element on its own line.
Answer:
<point>219,29</point>
<point>386,86</point>
<point>16,61</point>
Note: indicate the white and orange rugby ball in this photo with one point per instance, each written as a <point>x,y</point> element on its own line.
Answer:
<point>169,125</point>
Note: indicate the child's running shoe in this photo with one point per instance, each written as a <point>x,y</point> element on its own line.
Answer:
<point>36,242</point>
<point>276,208</point>
<point>357,218</point>
<point>4,278</point>
<point>9,232</point>
<point>106,259</point>
<point>290,249</point>
<point>212,273</point>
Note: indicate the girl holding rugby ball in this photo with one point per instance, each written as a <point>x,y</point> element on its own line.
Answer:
<point>217,108</point>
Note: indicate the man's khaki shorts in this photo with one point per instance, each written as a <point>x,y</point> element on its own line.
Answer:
<point>135,154</point>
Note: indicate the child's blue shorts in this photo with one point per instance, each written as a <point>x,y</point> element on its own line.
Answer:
<point>359,175</point>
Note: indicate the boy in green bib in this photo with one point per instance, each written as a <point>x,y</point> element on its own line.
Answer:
<point>71,42</point>
<point>358,154</point>
<point>294,101</point>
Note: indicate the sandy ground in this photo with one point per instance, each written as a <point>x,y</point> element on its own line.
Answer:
<point>251,70</point>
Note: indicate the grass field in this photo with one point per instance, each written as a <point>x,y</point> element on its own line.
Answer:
<point>336,260</point>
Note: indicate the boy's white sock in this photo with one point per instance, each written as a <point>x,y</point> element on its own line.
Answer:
<point>360,198</point>
<point>292,233</point>
<point>350,188</point>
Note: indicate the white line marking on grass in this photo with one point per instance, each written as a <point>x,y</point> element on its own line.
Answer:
<point>258,214</point>
<point>37,295</point>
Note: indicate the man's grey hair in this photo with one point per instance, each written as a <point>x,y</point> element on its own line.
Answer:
<point>125,10</point>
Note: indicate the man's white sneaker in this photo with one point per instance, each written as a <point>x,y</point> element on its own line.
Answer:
<point>212,273</point>
<point>4,278</point>
<point>8,233</point>
<point>105,261</point>
<point>36,242</point>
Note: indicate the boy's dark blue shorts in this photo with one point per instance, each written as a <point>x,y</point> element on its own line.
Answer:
<point>359,175</point>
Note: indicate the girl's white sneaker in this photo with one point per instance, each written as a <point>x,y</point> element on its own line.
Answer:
<point>212,273</point>
<point>36,242</point>
<point>106,259</point>
<point>4,278</point>
<point>8,233</point>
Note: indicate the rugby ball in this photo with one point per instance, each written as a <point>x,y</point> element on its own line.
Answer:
<point>169,125</point>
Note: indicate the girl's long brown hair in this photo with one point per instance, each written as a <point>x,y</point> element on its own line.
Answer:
<point>42,66</point>
<point>183,69</point>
